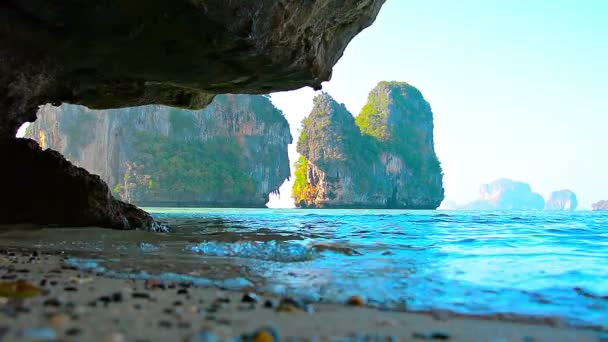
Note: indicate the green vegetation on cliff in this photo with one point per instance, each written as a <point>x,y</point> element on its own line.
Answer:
<point>185,170</point>
<point>232,153</point>
<point>300,186</point>
<point>384,158</point>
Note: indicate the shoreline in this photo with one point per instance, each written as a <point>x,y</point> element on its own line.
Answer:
<point>80,305</point>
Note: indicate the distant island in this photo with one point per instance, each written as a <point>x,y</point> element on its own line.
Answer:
<point>562,200</point>
<point>506,194</point>
<point>385,158</point>
<point>601,205</point>
<point>233,153</point>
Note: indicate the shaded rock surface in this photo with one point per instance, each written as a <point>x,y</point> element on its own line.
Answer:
<point>601,205</point>
<point>507,194</point>
<point>74,197</point>
<point>562,200</point>
<point>383,159</point>
<point>231,154</point>
<point>114,53</point>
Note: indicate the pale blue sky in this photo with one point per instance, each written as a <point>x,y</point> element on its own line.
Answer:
<point>517,88</point>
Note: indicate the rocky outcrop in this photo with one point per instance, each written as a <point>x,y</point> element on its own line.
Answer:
<point>506,194</point>
<point>114,54</point>
<point>91,203</point>
<point>383,159</point>
<point>562,200</point>
<point>601,205</point>
<point>231,154</point>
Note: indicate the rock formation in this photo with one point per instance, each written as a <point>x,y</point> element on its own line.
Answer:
<point>506,194</point>
<point>114,54</point>
<point>601,205</point>
<point>562,200</point>
<point>383,159</point>
<point>231,154</point>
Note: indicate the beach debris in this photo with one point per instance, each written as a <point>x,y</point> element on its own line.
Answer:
<point>288,304</point>
<point>142,295</point>
<point>73,332</point>
<point>79,280</point>
<point>355,301</point>
<point>250,297</point>
<point>435,335</point>
<point>58,320</point>
<point>265,334</point>
<point>336,248</point>
<point>153,284</point>
<point>588,294</point>
<point>19,289</point>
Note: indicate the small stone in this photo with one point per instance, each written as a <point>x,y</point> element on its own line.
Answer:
<point>355,301</point>
<point>164,324</point>
<point>250,297</point>
<point>58,320</point>
<point>55,302</point>
<point>266,335</point>
<point>140,295</point>
<point>70,289</point>
<point>284,307</point>
<point>73,332</point>
<point>177,303</point>
<point>271,303</point>
<point>182,292</point>
<point>117,297</point>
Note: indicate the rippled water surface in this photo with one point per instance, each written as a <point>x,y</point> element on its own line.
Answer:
<point>532,263</point>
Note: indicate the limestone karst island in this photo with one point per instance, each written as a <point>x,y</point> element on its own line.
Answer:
<point>233,153</point>
<point>383,158</point>
<point>299,170</point>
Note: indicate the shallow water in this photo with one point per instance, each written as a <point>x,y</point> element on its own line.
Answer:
<point>531,263</point>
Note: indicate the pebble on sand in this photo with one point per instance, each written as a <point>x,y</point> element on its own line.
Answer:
<point>356,301</point>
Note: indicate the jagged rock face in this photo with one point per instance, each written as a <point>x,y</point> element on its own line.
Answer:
<point>231,154</point>
<point>601,205</point>
<point>383,159</point>
<point>562,200</point>
<point>506,194</point>
<point>91,203</point>
<point>117,53</point>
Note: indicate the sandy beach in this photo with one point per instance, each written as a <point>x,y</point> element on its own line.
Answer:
<point>75,305</point>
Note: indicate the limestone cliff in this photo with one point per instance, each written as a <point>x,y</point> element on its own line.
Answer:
<point>601,205</point>
<point>383,159</point>
<point>506,194</point>
<point>232,153</point>
<point>562,200</point>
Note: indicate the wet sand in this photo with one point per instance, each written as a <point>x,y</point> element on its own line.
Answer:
<point>77,305</point>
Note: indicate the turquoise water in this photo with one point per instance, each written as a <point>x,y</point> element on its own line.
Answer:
<point>533,263</point>
<point>529,263</point>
